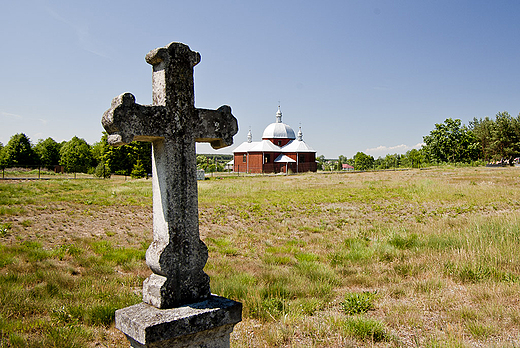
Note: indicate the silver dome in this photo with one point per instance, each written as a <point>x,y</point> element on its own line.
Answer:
<point>278,130</point>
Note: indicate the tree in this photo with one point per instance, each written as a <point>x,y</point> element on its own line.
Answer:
<point>414,158</point>
<point>500,138</point>
<point>138,171</point>
<point>48,152</point>
<point>122,159</point>
<point>321,160</point>
<point>2,161</point>
<point>363,161</point>
<point>506,136</point>
<point>202,162</point>
<point>452,142</point>
<point>341,160</point>
<point>76,156</point>
<point>483,131</point>
<point>19,151</point>
<point>100,148</point>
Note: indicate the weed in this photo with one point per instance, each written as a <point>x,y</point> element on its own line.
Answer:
<point>365,329</point>
<point>358,303</point>
<point>5,228</point>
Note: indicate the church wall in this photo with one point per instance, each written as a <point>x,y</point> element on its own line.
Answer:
<point>291,155</point>
<point>307,167</point>
<point>258,165</point>
<point>239,166</point>
<point>256,162</point>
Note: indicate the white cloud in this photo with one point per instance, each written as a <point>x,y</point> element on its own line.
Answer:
<point>383,150</point>
<point>9,115</point>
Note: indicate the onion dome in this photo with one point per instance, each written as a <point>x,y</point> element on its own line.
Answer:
<point>278,130</point>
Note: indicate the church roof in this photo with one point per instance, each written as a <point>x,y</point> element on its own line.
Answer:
<point>297,146</point>
<point>278,130</point>
<point>245,146</point>
<point>265,146</point>
<point>284,159</point>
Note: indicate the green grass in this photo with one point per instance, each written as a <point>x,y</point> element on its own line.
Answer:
<point>305,255</point>
<point>358,303</point>
<point>46,302</point>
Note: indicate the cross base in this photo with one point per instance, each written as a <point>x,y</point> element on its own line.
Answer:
<point>206,324</point>
<point>159,293</point>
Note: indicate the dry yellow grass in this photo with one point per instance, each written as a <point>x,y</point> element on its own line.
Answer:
<point>439,248</point>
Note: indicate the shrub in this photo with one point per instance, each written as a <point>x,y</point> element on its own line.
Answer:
<point>102,171</point>
<point>138,171</point>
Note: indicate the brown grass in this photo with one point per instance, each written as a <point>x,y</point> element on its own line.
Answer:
<point>439,247</point>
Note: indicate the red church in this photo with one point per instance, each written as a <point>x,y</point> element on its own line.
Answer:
<point>278,151</point>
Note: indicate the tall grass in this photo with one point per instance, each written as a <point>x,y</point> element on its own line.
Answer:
<point>305,254</point>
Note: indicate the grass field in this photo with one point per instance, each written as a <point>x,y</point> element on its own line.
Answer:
<point>419,258</point>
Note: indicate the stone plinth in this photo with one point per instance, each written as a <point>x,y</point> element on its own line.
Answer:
<point>205,324</point>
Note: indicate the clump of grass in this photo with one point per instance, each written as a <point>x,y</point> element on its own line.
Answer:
<point>223,245</point>
<point>5,228</point>
<point>118,256</point>
<point>406,242</point>
<point>358,302</point>
<point>469,272</point>
<point>6,257</point>
<point>479,330</point>
<point>364,329</point>
<point>26,223</point>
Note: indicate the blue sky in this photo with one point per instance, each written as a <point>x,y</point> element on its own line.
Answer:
<point>368,75</point>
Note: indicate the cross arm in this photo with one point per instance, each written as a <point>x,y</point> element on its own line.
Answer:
<point>216,127</point>
<point>127,121</point>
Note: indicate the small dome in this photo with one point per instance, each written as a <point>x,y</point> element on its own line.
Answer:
<point>278,130</point>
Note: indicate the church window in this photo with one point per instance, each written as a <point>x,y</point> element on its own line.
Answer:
<point>279,143</point>
<point>244,158</point>
<point>301,158</point>
<point>267,158</point>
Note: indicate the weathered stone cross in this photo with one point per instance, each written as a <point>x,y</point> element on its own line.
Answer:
<point>172,123</point>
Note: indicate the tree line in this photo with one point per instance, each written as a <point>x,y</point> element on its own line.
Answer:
<point>483,140</point>
<point>76,155</point>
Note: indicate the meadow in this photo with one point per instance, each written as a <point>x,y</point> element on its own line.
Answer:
<point>416,258</point>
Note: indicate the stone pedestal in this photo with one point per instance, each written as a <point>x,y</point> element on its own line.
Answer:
<point>206,324</point>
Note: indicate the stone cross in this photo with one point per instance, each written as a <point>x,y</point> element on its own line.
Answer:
<point>173,125</point>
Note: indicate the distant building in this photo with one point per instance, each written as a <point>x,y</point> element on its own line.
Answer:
<point>278,151</point>
<point>346,166</point>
